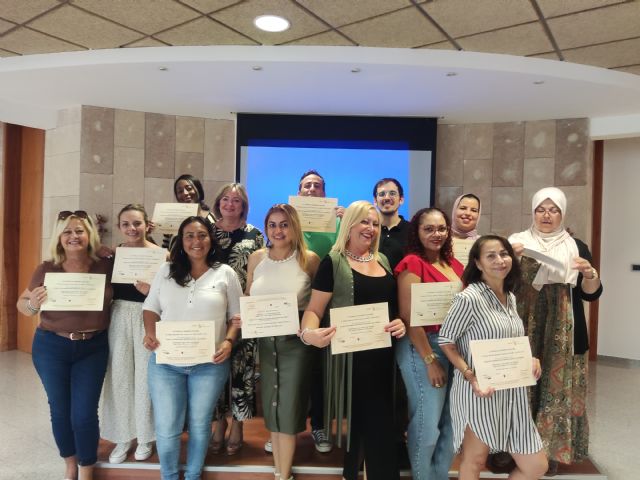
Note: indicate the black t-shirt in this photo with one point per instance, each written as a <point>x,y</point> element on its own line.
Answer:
<point>393,241</point>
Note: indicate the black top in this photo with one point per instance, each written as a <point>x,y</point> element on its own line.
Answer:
<point>580,333</point>
<point>393,241</point>
<point>127,291</point>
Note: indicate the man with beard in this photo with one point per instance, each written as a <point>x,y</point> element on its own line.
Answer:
<point>388,195</point>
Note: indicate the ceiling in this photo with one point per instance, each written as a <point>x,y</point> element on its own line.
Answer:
<point>423,40</point>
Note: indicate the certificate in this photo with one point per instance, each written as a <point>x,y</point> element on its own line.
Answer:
<point>461,249</point>
<point>74,292</point>
<point>430,302</point>
<point>502,363</point>
<point>167,217</point>
<point>317,214</point>
<point>185,342</point>
<point>269,315</point>
<point>360,327</point>
<point>133,264</point>
<point>542,258</point>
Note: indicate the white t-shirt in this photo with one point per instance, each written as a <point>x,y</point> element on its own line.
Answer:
<point>212,297</point>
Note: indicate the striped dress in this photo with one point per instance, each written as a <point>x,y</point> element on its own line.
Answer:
<point>502,421</point>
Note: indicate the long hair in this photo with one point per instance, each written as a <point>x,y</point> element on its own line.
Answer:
<point>240,190</point>
<point>415,246</point>
<point>472,273</point>
<point>179,263</point>
<point>295,230</point>
<point>136,207</point>
<point>196,184</point>
<point>56,251</point>
<point>354,214</point>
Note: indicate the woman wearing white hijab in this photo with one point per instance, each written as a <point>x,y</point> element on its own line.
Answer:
<point>550,304</point>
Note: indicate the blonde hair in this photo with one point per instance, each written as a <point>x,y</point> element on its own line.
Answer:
<point>242,192</point>
<point>297,238</point>
<point>354,214</point>
<point>55,247</point>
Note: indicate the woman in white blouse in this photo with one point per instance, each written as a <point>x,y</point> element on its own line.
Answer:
<point>489,421</point>
<point>192,286</point>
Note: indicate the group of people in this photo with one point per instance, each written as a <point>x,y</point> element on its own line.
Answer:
<point>108,358</point>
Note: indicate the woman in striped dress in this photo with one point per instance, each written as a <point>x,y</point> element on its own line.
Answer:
<point>489,421</point>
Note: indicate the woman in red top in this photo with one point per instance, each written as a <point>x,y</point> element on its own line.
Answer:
<point>425,370</point>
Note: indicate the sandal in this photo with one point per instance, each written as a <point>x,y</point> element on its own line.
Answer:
<point>234,447</point>
<point>216,445</point>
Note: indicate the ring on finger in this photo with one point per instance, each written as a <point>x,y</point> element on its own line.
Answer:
<point>437,385</point>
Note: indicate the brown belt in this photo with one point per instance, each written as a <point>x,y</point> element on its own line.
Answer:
<point>79,335</point>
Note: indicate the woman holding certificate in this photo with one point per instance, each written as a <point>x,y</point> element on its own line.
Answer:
<point>125,412</point>
<point>236,240</point>
<point>70,348</point>
<point>488,421</point>
<point>285,266</point>
<point>354,273</point>
<point>425,370</point>
<point>550,303</point>
<point>194,290</point>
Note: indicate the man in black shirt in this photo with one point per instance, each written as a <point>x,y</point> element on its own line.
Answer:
<point>388,195</point>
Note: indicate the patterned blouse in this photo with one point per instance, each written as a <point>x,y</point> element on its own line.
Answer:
<point>235,248</point>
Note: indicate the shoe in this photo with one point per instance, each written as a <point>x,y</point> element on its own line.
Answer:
<point>268,447</point>
<point>119,454</point>
<point>234,447</point>
<point>323,445</point>
<point>553,469</point>
<point>500,462</point>
<point>216,446</point>
<point>143,451</point>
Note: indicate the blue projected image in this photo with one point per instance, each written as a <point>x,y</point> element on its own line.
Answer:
<point>271,174</point>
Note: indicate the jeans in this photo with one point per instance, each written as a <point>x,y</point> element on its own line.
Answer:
<point>72,372</point>
<point>430,434</point>
<point>176,390</point>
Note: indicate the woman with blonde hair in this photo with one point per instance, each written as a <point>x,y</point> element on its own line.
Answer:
<point>236,240</point>
<point>355,273</point>
<point>284,266</point>
<point>70,348</point>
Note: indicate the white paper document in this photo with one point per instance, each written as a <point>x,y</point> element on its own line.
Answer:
<point>317,214</point>
<point>461,248</point>
<point>360,327</point>
<point>74,292</point>
<point>502,363</point>
<point>431,301</point>
<point>185,342</point>
<point>269,315</point>
<point>137,264</point>
<point>542,258</point>
<point>167,217</point>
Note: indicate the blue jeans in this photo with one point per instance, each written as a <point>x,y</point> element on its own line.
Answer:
<point>174,391</point>
<point>430,434</point>
<point>72,372</point>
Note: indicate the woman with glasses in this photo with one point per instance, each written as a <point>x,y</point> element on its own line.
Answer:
<point>550,304</point>
<point>284,266</point>
<point>70,348</point>
<point>425,370</point>
<point>486,420</point>
<point>193,286</point>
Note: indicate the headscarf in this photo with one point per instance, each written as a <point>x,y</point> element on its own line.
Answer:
<point>472,234</point>
<point>558,244</point>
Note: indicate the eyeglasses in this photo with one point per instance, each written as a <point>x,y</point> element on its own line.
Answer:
<point>63,215</point>
<point>550,211</point>
<point>442,230</point>
<point>390,193</point>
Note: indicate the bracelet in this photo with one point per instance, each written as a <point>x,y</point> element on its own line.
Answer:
<point>31,308</point>
<point>230,340</point>
<point>594,274</point>
<point>468,369</point>
<point>430,358</point>
<point>302,336</point>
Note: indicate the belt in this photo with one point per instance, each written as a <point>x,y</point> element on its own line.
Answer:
<point>79,335</point>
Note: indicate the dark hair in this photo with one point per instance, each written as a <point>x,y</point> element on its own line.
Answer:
<point>196,184</point>
<point>179,263</point>
<point>387,180</point>
<point>472,273</point>
<point>414,245</point>
<point>312,172</point>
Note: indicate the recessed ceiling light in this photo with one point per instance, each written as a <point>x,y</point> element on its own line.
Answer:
<point>163,68</point>
<point>355,70</point>
<point>451,74</point>
<point>271,23</point>
<point>539,82</point>
<point>256,67</point>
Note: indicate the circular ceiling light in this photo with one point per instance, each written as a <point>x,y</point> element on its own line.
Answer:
<point>271,23</point>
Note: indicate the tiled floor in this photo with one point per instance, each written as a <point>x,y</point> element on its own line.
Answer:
<point>27,450</point>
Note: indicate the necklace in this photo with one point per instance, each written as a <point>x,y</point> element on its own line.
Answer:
<point>286,259</point>
<point>358,258</point>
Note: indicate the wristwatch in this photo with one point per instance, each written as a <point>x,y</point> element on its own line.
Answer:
<point>429,359</point>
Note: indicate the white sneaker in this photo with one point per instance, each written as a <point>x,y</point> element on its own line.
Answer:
<point>119,454</point>
<point>323,445</point>
<point>268,447</point>
<point>143,451</point>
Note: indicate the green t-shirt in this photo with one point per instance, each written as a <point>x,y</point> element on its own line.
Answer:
<point>321,242</point>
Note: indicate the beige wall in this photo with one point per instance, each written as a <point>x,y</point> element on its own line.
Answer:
<point>505,163</point>
<point>100,159</point>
